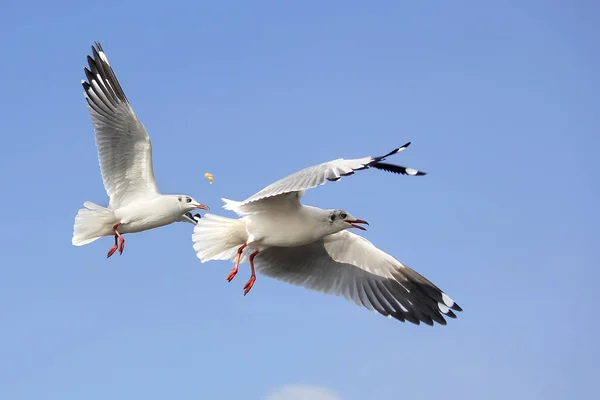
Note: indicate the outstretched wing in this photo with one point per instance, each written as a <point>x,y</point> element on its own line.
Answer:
<point>345,264</point>
<point>316,175</point>
<point>124,148</point>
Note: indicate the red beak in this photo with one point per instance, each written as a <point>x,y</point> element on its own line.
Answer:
<point>353,222</point>
<point>202,207</point>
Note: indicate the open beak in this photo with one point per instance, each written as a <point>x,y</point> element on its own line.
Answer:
<point>202,207</point>
<point>353,222</point>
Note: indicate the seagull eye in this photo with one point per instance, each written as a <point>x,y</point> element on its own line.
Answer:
<point>179,198</point>
<point>188,200</point>
<point>343,215</point>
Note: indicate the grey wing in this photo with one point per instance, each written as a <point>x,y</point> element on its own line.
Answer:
<point>316,175</point>
<point>348,265</point>
<point>124,148</point>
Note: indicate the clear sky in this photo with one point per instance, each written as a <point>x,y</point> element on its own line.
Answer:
<point>500,101</point>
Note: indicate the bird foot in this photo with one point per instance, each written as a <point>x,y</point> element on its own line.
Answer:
<point>119,242</point>
<point>249,285</point>
<point>112,251</point>
<point>232,274</point>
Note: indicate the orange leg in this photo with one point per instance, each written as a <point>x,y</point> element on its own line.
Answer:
<point>121,244</point>
<point>114,248</point>
<point>234,271</point>
<point>117,237</point>
<point>250,283</point>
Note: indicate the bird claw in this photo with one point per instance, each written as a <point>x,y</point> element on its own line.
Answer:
<point>249,284</point>
<point>112,251</point>
<point>232,275</point>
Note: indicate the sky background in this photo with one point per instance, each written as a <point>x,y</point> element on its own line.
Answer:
<point>501,103</point>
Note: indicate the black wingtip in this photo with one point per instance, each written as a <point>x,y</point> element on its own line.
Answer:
<point>98,65</point>
<point>398,169</point>
<point>396,150</point>
<point>97,47</point>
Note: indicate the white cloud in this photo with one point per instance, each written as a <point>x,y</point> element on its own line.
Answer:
<point>303,392</point>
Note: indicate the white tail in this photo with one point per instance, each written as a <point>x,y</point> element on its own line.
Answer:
<point>274,202</point>
<point>232,205</point>
<point>218,238</point>
<point>91,223</point>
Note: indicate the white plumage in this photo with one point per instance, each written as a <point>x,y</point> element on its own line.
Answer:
<point>125,155</point>
<point>310,247</point>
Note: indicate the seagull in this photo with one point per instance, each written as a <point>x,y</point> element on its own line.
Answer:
<point>125,154</point>
<point>312,247</point>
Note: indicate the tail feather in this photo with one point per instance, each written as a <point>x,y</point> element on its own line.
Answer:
<point>91,223</point>
<point>248,208</point>
<point>231,205</point>
<point>93,206</point>
<point>218,238</point>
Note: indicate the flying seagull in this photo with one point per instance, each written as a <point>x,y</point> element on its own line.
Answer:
<point>125,155</point>
<point>312,247</point>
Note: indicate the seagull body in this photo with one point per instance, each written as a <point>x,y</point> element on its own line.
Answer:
<point>294,226</point>
<point>312,247</point>
<point>148,214</point>
<point>125,155</point>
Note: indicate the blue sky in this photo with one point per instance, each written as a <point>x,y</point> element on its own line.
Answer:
<point>500,101</point>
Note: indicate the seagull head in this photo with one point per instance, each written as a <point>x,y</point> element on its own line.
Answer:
<point>340,219</point>
<point>188,203</point>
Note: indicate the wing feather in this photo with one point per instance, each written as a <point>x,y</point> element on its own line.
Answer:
<point>320,174</point>
<point>348,265</point>
<point>124,147</point>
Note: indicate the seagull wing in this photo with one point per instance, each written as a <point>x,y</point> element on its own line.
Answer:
<point>124,148</point>
<point>294,185</point>
<point>348,265</point>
